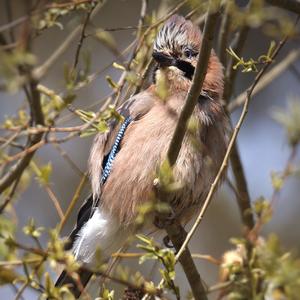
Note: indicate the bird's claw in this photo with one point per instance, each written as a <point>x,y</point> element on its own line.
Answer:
<point>167,242</point>
<point>161,221</point>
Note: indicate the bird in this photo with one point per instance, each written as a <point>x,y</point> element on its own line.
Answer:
<point>123,161</point>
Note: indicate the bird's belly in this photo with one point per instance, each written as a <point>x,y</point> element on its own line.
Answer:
<point>136,166</point>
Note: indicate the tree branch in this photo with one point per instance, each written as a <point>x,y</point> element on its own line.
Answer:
<point>223,35</point>
<point>82,37</point>
<point>243,201</point>
<point>175,231</point>
<point>40,71</point>
<point>196,87</point>
<point>38,119</point>
<point>177,235</point>
<point>73,202</point>
<point>10,196</point>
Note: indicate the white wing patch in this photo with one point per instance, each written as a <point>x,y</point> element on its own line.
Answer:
<point>102,231</point>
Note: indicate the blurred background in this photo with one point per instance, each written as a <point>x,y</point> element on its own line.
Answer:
<point>262,142</point>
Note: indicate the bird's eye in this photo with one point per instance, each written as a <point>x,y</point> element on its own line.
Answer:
<point>189,53</point>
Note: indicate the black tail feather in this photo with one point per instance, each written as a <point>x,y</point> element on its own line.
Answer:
<point>75,288</point>
<point>84,274</point>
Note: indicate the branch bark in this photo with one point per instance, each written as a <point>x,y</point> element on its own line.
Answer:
<point>243,201</point>
<point>82,37</point>
<point>177,235</point>
<point>38,119</point>
<point>175,231</point>
<point>194,92</point>
<point>223,35</point>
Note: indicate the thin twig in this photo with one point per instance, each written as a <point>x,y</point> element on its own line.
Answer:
<point>138,43</point>
<point>10,196</point>
<point>38,119</point>
<point>254,233</point>
<point>13,23</point>
<point>68,159</point>
<point>82,37</point>
<point>40,71</point>
<point>36,145</point>
<point>122,79</point>
<point>223,35</point>
<point>278,69</point>
<point>67,4</point>
<point>219,286</point>
<point>55,201</point>
<point>30,151</point>
<point>21,290</point>
<point>10,18</point>
<point>10,140</point>
<point>44,254</point>
<point>243,201</point>
<point>49,191</point>
<point>194,255</point>
<point>73,202</point>
<point>35,130</point>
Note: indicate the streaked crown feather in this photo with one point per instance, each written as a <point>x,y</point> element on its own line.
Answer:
<point>177,34</point>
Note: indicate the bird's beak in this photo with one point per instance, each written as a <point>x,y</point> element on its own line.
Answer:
<point>164,60</point>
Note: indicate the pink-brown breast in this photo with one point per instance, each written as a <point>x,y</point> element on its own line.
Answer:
<point>145,146</point>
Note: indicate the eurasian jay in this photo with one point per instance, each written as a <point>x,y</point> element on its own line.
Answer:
<point>123,162</point>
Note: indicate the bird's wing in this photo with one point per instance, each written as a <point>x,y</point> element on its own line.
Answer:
<point>135,107</point>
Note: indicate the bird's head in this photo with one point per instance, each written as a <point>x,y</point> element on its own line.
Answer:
<point>176,49</point>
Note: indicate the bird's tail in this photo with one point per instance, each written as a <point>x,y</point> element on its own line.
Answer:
<point>75,286</point>
<point>92,230</point>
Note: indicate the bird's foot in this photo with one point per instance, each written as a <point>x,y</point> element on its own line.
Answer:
<point>167,242</point>
<point>161,221</point>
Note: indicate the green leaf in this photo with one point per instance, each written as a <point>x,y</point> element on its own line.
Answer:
<point>263,209</point>
<point>106,294</point>
<point>7,231</point>
<point>119,67</point>
<point>144,239</point>
<point>31,230</point>
<point>46,171</point>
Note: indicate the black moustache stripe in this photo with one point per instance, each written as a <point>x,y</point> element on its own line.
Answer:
<point>187,68</point>
<point>165,61</point>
